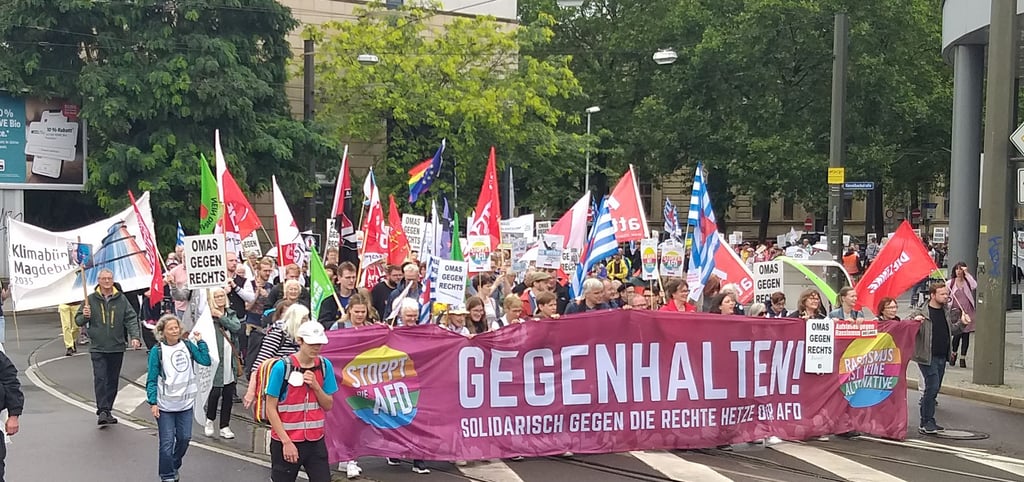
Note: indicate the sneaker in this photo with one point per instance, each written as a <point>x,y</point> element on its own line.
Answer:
<point>83,339</point>
<point>420,467</point>
<point>226,433</point>
<point>393,462</point>
<point>963,362</point>
<point>518,458</point>
<point>110,419</point>
<point>352,469</point>
<point>460,463</point>
<point>930,428</point>
<point>823,438</point>
<point>773,440</point>
<point>568,454</point>
<point>69,352</point>
<point>208,428</point>
<point>101,419</point>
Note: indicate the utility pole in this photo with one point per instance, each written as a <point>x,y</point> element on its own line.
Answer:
<point>307,117</point>
<point>995,234</point>
<point>837,146</point>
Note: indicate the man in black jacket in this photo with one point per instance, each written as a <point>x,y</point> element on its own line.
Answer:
<point>13,400</point>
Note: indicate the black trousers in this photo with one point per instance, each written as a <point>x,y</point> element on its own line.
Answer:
<point>226,396</point>
<point>312,457</point>
<point>3,458</point>
<point>966,339</point>
<point>106,368</point>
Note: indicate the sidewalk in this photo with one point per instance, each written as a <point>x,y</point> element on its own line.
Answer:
<point>958,381</point>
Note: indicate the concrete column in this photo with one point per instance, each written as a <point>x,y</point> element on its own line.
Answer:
<point>968,81</point>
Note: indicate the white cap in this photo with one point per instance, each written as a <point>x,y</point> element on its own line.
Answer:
<point>312,333</point>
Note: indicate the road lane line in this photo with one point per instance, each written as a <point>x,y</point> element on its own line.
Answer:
<point>841,466</point>
<point>1005,464</point>
<point>678,468</point>
<point>130,396</point>
<point>490,471</point>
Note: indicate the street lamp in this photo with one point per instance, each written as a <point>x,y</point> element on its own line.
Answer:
<point>590,110</point>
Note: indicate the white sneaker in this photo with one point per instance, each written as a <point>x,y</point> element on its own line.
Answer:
<point>352,469</point>
<point>226,433</point>
<point>773,440</point>
<point>208,428</point>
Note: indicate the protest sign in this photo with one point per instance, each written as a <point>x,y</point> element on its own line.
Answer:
<point>478,253</point>
<point>550,253</point>
<point>649,259</point>
<point>205,263</point>
<point>819,346</point>
<point>768,278</point>
<point>672,259</point>
<point>451,281</point>
<point>414,226</point>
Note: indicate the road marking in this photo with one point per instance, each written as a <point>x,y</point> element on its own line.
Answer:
<point>490,471</point>
<point>1005,464</point>
<point>678,468</point>
<point>130,396</point>
<point>841,466</point>
<point>926,445</point>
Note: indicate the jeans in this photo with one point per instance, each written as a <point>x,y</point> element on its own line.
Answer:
<point>106,368</point>
<point>312,457</point>
<point>3,458</point>
<point>226,396</point>
<point>175,429</point>
<point>932,374</point>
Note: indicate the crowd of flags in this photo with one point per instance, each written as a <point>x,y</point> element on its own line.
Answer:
<point>618,218</point>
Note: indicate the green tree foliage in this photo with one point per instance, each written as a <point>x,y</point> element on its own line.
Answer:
<point>459,78</point>
<point>155,79</point>
<point>751,91</point>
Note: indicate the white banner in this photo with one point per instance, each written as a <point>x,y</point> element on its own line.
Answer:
<point>672,256</point>
<point>518,227</point>
<point>205,262</point>
<point>451,281</point>
<point>413,226</point>
<point>819,347</point>
<point>550,254</point>
<point>478,253</point>
<point>768,278</point>
<point>41,272</point>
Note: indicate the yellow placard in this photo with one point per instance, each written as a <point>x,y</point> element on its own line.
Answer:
<point>836,175</point>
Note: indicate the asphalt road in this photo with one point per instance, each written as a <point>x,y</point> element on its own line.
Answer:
<point>59,440</point>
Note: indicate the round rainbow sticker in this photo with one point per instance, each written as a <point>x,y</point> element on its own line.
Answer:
<point>386,388</point>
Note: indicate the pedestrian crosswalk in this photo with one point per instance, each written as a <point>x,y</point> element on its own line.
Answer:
<point>787,461</point>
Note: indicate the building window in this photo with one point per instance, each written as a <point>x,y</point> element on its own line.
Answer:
<point>787,209</point>
<point>393,4</point>
<point>646,190</point>
<point>847,209</point>
<point>757,209</point>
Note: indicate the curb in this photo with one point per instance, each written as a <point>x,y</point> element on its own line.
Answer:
<point>976,395</point>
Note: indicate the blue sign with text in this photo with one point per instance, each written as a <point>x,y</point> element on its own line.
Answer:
<point>859,186</point>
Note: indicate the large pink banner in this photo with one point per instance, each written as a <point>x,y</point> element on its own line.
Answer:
<point>606,382</point>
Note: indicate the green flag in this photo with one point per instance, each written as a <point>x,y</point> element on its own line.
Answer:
<point>320,285</point>
<point>456,244</point>
<point>209,202</point>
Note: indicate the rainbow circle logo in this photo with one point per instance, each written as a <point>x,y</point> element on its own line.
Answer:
<point>671,261</point>
<point>383,386</point>
<point>649,258</point>
<point>869,370</point>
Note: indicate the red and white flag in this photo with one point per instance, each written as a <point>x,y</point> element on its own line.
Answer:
<point>732,270</point>
<point>290,247</point>
<point>375,236</point>
<point>398,243</point>
<point>156,286</point>
<point>343,200</point>
<point>902,262</point>
<point>486,219</point>
<point>627,210</point>
<point>572,226</point>
<point>241,217</point>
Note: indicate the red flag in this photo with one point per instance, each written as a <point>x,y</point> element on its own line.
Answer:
<point>732,270</point>
<point>572,226</point>
<point>375,238</point>
<point>487,220</point>
<point>398,243</point>
<point>241,217</point>
<point>627,211</point>
<point>901,263</point>
<point>290,247</point>
<point>156,286</point>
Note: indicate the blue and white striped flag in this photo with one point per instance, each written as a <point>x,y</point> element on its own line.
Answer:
<point>672,220</point>
<point>427,297</point>
<point>706,239</point>
<point>600,245</point>
<point>181,236</point>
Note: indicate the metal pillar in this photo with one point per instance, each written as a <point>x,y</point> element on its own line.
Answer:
<point>995,233</point>
<point>837,144</point>
<point>968,85</point>
<point>307,116</point>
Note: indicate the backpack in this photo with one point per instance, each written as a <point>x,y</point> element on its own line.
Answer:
<point>263,376</point>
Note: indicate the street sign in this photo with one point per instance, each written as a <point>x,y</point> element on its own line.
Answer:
<point>808,225</point>
<point>1020,181</point>
<point>836,175</point>
<point>915,213</point>
<point>1017,138</point>
<point>859,186</point>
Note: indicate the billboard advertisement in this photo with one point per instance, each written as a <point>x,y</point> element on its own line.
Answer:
<point>42,144</point>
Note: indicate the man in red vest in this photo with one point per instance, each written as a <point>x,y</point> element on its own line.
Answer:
<point>296,406</point>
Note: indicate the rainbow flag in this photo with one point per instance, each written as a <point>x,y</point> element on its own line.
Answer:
<point>423,174</point>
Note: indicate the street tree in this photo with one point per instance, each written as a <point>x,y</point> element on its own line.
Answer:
<point>154,79</point>
<point>464,79</point>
